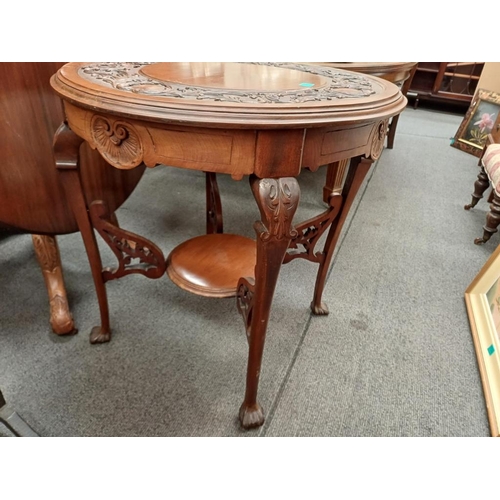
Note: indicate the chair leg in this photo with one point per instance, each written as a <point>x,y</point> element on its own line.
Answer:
<point>480,186</point>
<point>47,253</point>
<point>492,221</point>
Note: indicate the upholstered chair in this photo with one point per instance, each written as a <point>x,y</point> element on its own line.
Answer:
<point>489,175</point>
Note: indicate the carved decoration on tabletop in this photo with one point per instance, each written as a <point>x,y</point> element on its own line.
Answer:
<point>134,253</point>
<point>280,201</point>
<point>378,139</point>
<point>117,141</point>
<point>127,77</point>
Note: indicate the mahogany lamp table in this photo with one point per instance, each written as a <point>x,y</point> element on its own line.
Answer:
<point>267,121</point>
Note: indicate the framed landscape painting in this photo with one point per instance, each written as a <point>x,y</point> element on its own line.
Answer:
<point>480,119</point>
<point>482,299</point>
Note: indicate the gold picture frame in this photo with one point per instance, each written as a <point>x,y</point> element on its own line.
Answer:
<point>479,121</point>
<point>482,299</point>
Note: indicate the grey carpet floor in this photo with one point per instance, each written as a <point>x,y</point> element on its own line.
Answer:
<point>394,358</point>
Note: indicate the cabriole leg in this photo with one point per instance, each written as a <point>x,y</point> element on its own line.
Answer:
<point>358,169</point>
<point>47,253</point>
<point>66,154</point>
<point>277,200</point>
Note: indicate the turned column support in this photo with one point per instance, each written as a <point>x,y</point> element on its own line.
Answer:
<point>492,220</point>
<point>480,186</point>
<point>277,200</point>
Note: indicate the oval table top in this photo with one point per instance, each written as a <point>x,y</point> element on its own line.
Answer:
<point>237,95</point>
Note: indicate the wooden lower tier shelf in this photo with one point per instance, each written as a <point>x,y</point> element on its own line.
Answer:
<point>211,264</point>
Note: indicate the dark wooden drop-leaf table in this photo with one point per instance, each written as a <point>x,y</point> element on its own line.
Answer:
<point>266,121</point>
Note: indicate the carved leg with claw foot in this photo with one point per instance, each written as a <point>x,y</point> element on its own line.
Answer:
<point>342,184</point>
<point>66,154</point>
<point>480,186</point>
<point>358,169</point>
<point>277,200</point>
<point>492,221</point>
<point>134,253</point>
<point>47,253</point>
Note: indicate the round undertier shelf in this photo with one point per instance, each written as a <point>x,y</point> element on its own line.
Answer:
<point>211,264</point>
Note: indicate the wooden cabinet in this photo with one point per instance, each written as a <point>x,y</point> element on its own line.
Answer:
<point>446,82</point>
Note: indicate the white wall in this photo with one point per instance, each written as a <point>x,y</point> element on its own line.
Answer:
<point>490,77</point>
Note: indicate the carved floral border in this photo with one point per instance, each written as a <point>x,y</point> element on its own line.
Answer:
<point>126,76</point>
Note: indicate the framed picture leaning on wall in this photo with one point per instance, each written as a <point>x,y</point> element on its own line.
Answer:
<point>482,299</point>
<point>481,118</point>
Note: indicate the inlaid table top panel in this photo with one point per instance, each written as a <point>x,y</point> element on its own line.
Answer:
<point>244,95</point>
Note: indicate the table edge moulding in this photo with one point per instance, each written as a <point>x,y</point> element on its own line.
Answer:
<point>266,121</point>
<point>399,73</point>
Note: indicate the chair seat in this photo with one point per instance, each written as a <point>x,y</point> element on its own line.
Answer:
<point>491,163</point>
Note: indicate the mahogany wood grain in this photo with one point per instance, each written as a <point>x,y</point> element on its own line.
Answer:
<point>277,200</point>
<point>264,120</point>
<point>342,203</point>
<point>31,194</point>
<point>66,155</point>
<point>399,73</point>
<point>229,76</point>
<point>123,90</point>
<point>394,72</point>
<point>215,222</point>
<point>30,189</point>
<point>211,265</point>
<point>47,253</point>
